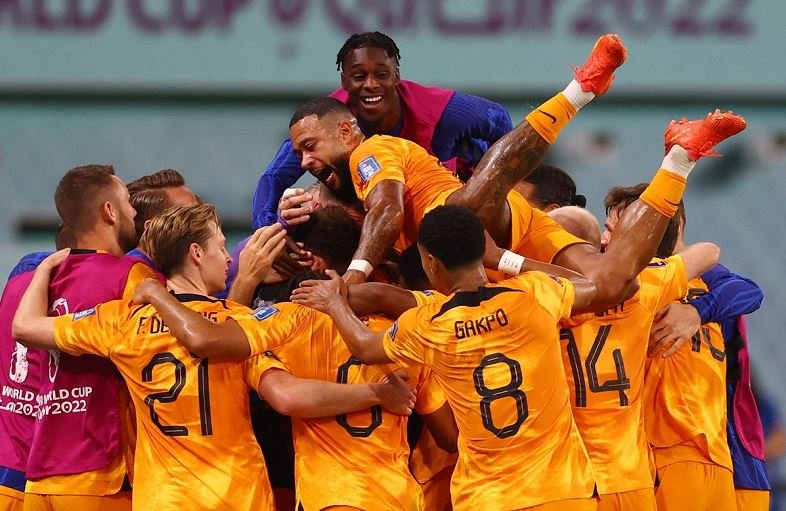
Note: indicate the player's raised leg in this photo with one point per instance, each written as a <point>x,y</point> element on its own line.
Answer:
<point>517,154</point>
<point>640,229</point>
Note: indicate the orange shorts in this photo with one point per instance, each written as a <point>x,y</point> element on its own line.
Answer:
<point>752,500</point>
<point>533,233</point>
<point>638,500</point>
<point>590,504</point>
<point>694,486</point>
<point>120,501</point>
<point>11,500</point>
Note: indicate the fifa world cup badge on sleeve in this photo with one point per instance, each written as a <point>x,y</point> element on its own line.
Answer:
<point>368,167</point>
<point>264,312</point>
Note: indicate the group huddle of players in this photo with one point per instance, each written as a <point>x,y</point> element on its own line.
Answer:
<point>443,322</point>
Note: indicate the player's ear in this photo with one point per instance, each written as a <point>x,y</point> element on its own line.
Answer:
<point>343,81</point>
<point>346,128</point>
<point>195,253</point>
<point>397,75</point>
<point>318,263</point>
<point>108,212</point>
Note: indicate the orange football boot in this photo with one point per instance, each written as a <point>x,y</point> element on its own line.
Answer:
<point>597,73</point>
<point>700,136</point>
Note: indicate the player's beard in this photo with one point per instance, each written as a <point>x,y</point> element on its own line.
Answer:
<point>346,190</point>
<point>127,237</point>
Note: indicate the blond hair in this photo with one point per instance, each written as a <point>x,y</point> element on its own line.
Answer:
<point>170,234</point>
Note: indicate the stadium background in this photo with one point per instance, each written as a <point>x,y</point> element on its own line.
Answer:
<point>207,87</point>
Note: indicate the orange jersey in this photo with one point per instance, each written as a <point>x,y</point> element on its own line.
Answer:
<point>426,182</point>
<point>603,355</point>
<point>495,353</point>
<point>195,445</point>
<point>358,459</point>
<point>685,397</point>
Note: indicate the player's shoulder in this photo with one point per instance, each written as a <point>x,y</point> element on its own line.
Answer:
<point>118,311</point>
<point>377,322</point>
<point>534,281</point>
<point>659,269</point>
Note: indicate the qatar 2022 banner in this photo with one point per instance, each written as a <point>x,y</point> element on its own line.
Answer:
<point>261,46</point>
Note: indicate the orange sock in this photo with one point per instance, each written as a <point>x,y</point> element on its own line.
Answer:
<point>665,192</point>
<point>551,117</point>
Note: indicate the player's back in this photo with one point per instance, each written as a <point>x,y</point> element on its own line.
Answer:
<point>604,356</point>
<point>495,353</point>
<point>19,381</point>
<point>195,445</point>
<point>82,430</point>
<point>685,397</point>
<point>426,181</point>
<point>358,459</point>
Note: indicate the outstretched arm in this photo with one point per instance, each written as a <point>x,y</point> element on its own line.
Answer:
<point>32,326</point>
<point>301,397</point>
<point>279,175</point>
<point>201,336</point>
<point>511,263</point>
<point>374,297</point>
<point>381,227</point>
<point>699,257</point>
<point>329,296</point>
<point>466,121</point>
<point>634,242</point>
<point>730,295</point>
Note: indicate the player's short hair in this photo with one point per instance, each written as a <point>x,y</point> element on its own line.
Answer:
<point>619,198</point>
<point>170,234</point>
<point>149,196</point>
<point>81,192</point>
<point>552,185</point>
<point>454,235</point>
<point>320,107</point>
<point>410,267</point>
<point>331,234</point>
<point>368,40</point>
<point>166,178</point>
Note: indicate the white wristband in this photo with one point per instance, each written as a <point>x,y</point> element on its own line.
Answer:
<point>511,263</point>
<point>361,265</point>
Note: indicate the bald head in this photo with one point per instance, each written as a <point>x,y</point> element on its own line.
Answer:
<point>579,222</point>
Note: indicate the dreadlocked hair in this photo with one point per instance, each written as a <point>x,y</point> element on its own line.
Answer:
<point>368,40</point>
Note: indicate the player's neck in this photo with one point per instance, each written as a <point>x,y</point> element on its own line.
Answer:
<point>386,124</point>
<point>187,282</point>
<point>95,240</point>
<point>680,245</point>
<point>467,279</point>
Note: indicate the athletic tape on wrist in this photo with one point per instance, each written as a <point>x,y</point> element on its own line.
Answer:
<point>283,221</point>
<point>361,265</point>
<point>511,263</point>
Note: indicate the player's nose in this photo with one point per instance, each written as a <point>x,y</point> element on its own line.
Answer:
<point>605,237</point>
<point>371,82</point>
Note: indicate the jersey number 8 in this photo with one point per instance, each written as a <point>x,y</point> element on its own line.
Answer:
<point>510,390</point>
